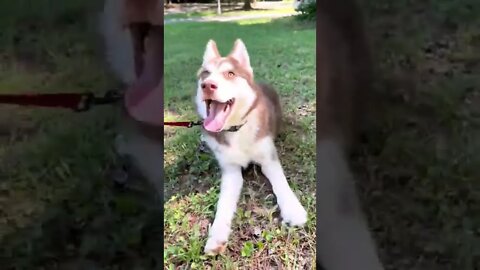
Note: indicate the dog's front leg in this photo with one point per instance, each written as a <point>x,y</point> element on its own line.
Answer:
<point>231,186</point>
<point>291,209</point>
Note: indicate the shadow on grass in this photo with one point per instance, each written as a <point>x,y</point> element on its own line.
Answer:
<point>106,228</point>
<point>58,206</point>
<point>416,163</point>
<point>80,220</point>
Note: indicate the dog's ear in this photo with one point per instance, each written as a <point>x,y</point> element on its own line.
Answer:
<point>240,54</point>
<point>211,52</point>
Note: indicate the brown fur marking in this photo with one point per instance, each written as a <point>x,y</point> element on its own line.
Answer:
<point>220,249</point>
<point>218,136</point>
<point>267,102</point>
<point>269,111</point>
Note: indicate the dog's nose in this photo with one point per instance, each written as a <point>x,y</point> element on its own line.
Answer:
<point>209,86</point>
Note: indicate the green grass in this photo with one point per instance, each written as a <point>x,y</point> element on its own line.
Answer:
<point>419,168</point>
<point>228,13</point>
<point>257,240</point>
<point>58,206</point>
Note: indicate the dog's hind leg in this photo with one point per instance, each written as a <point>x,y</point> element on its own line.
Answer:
<point>292,211</point>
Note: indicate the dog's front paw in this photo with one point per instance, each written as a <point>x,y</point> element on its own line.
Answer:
<point>215,246</point>
<point>294,215</point>
<point>120,145</point>
<point>217,240</point>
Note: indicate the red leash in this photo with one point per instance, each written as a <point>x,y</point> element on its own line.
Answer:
<point>74,101</point>
<point>69,101</point>
<point>77,102</point>
<point>183,124</point>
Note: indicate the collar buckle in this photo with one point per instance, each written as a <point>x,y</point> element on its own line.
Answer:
<point>235,128</point>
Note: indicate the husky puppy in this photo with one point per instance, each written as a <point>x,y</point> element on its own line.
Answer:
<point>240,121</point>
<point>133,36</point>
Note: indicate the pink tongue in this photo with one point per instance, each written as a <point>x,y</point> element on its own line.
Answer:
<point>216,117</point>
<point>142,101</point>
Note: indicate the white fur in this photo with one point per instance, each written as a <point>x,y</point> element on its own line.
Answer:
<point>243,148</point>
<point>345,242</point>
<point>224,67</point>
<point>291,209</point>
<point>231,187</point>
<point>210,52</point>
<point>117,41</point>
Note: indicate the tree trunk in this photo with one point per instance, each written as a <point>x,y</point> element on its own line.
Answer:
<point>247,5</point>
<point>219,7</point>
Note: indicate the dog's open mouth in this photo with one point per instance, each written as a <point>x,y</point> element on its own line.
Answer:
<point>217,114</point>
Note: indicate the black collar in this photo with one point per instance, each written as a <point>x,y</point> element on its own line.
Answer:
<point>234,128</point>
<point>230,129</point>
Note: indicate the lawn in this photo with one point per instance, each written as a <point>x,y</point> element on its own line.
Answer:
<point>282,52</point>
<point>58,206</point>
<point>418,165</point>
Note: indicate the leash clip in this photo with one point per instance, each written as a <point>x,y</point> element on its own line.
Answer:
<point>89,99</point>
<point>85,102</point>
<point>191,124</point>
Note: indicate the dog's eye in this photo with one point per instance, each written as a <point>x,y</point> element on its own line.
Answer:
<point>204,74</point>
<point>230,74</point>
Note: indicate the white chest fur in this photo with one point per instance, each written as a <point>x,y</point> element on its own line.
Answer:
<point>243,146</point>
